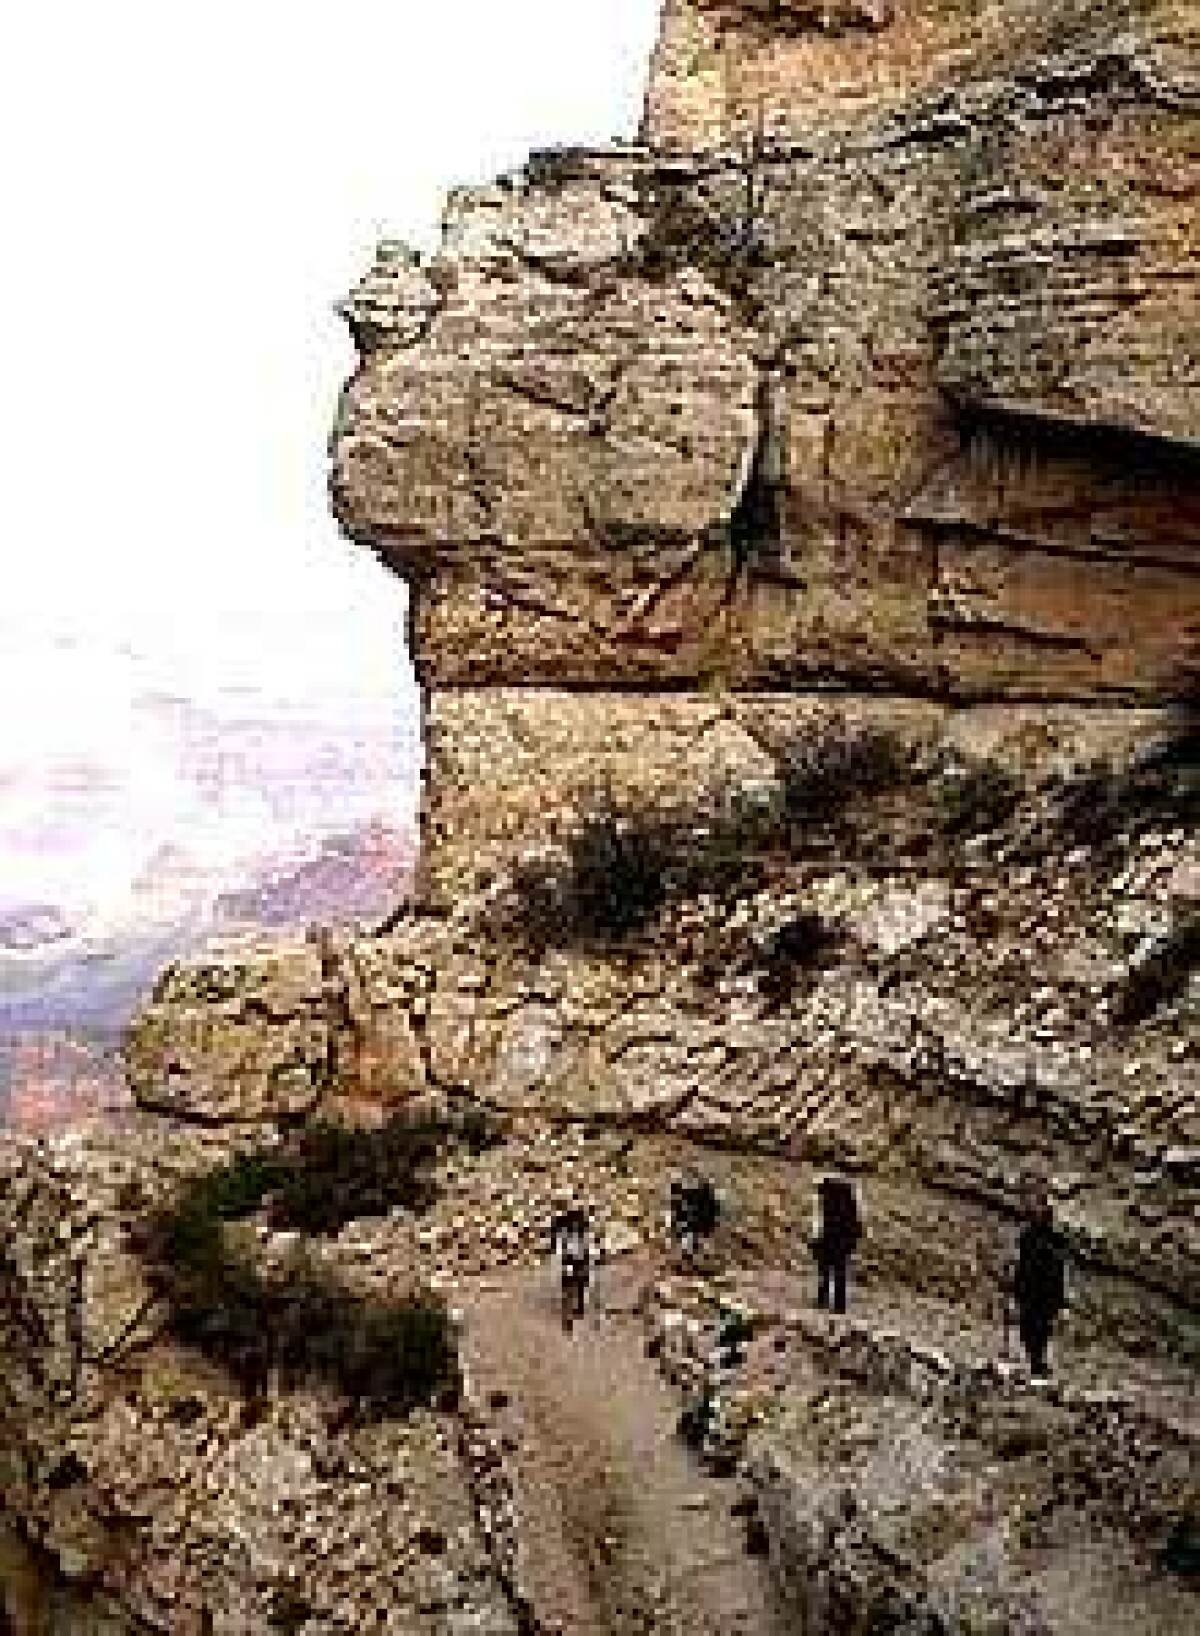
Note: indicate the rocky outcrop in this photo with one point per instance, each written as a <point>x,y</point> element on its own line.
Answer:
<point>905,396</point>
<point>153,1492</point>
<point>874,369</point>
<point>801,509</point>
<point>904,1473</point>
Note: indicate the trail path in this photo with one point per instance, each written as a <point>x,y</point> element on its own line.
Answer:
<point>622,1530</point>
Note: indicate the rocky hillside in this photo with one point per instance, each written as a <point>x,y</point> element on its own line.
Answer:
<point>802,514</point>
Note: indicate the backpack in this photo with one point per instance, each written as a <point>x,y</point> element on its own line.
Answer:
<point>1040,1280</point>
<point>839,1214</point>
<point>575,1252</point>
<point>704,1208</point>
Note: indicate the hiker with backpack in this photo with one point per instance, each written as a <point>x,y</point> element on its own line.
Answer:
<point>694,1210</point>
<point>837,1230</point>
<point>1039,1282</point>
<point>571,1239</point>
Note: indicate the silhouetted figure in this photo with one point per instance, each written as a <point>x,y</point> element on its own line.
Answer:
<point>837,1233</point>
<point>570,1236</point>
<point>697,1418</point>
<point>695,1211</point>
<point>1039,1284</point>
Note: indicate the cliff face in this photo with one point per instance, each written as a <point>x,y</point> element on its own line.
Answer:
<point>802,515</point>
<point>877,366</point>
<point>873,371</point>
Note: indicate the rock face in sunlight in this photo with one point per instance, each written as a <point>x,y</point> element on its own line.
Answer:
<point>801,509</point>
<point>876,366</point>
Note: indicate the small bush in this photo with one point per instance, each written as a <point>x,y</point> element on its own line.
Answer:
<point>330,1174</point>
<point>622,871</point>
<point>1158,787</point>
<point>335,1175</point>
<point>618,872</point>
<point>825,773</point>
<point>722,854</point>
<point>189,1235</point>
<point>975,798</point>
<point>386,1356</point>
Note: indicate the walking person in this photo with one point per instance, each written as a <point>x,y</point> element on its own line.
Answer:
<point>683,1235</point>
<point>694,1212</point>
<point>1039,1283</point>
<point>837,1231</point>
<point>571,1237</point>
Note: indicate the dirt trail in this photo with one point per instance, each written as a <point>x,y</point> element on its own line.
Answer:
<point>622,1530</point>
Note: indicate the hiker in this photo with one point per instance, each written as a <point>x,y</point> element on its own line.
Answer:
<point>836,1234</point>
<point>695,1210</point>
<point>1039,1283</point>
<point>696,1419</point>
<point>570,1236</point>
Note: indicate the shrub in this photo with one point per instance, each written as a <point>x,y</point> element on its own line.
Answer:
<point>621,871</point>
<point>335,1174</point>
<point>721,854</point>
<point>618,872</point>
<point>975,798</point>
<point>328,1175</point>
<point>1158,786</point>
<point>824,773</point>
<point>387,1356</point>
<point>189,1235</point>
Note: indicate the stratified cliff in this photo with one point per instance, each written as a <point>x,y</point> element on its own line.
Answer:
<point>874,370</point>
<point>876,367</point>
<point>802,514</point>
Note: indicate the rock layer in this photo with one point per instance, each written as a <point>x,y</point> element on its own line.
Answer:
<point>909,399</point>
<point>802,514</point>
<point>862,399</point>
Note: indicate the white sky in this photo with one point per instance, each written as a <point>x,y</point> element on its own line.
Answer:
<point>188,191</point>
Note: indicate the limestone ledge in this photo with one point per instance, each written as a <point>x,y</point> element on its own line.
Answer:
<point>512,771</point>
<point>914,408</point>
<point>959,1039</point>
<point>724,68</point>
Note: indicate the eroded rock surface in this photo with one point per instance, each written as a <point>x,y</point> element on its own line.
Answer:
<point>802,512</point>
<point>891,394</point>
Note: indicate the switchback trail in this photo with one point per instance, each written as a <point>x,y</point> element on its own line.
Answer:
<point>622,1532</point>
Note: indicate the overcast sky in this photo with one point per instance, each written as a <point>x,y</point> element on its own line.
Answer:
<point>188,191</point>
